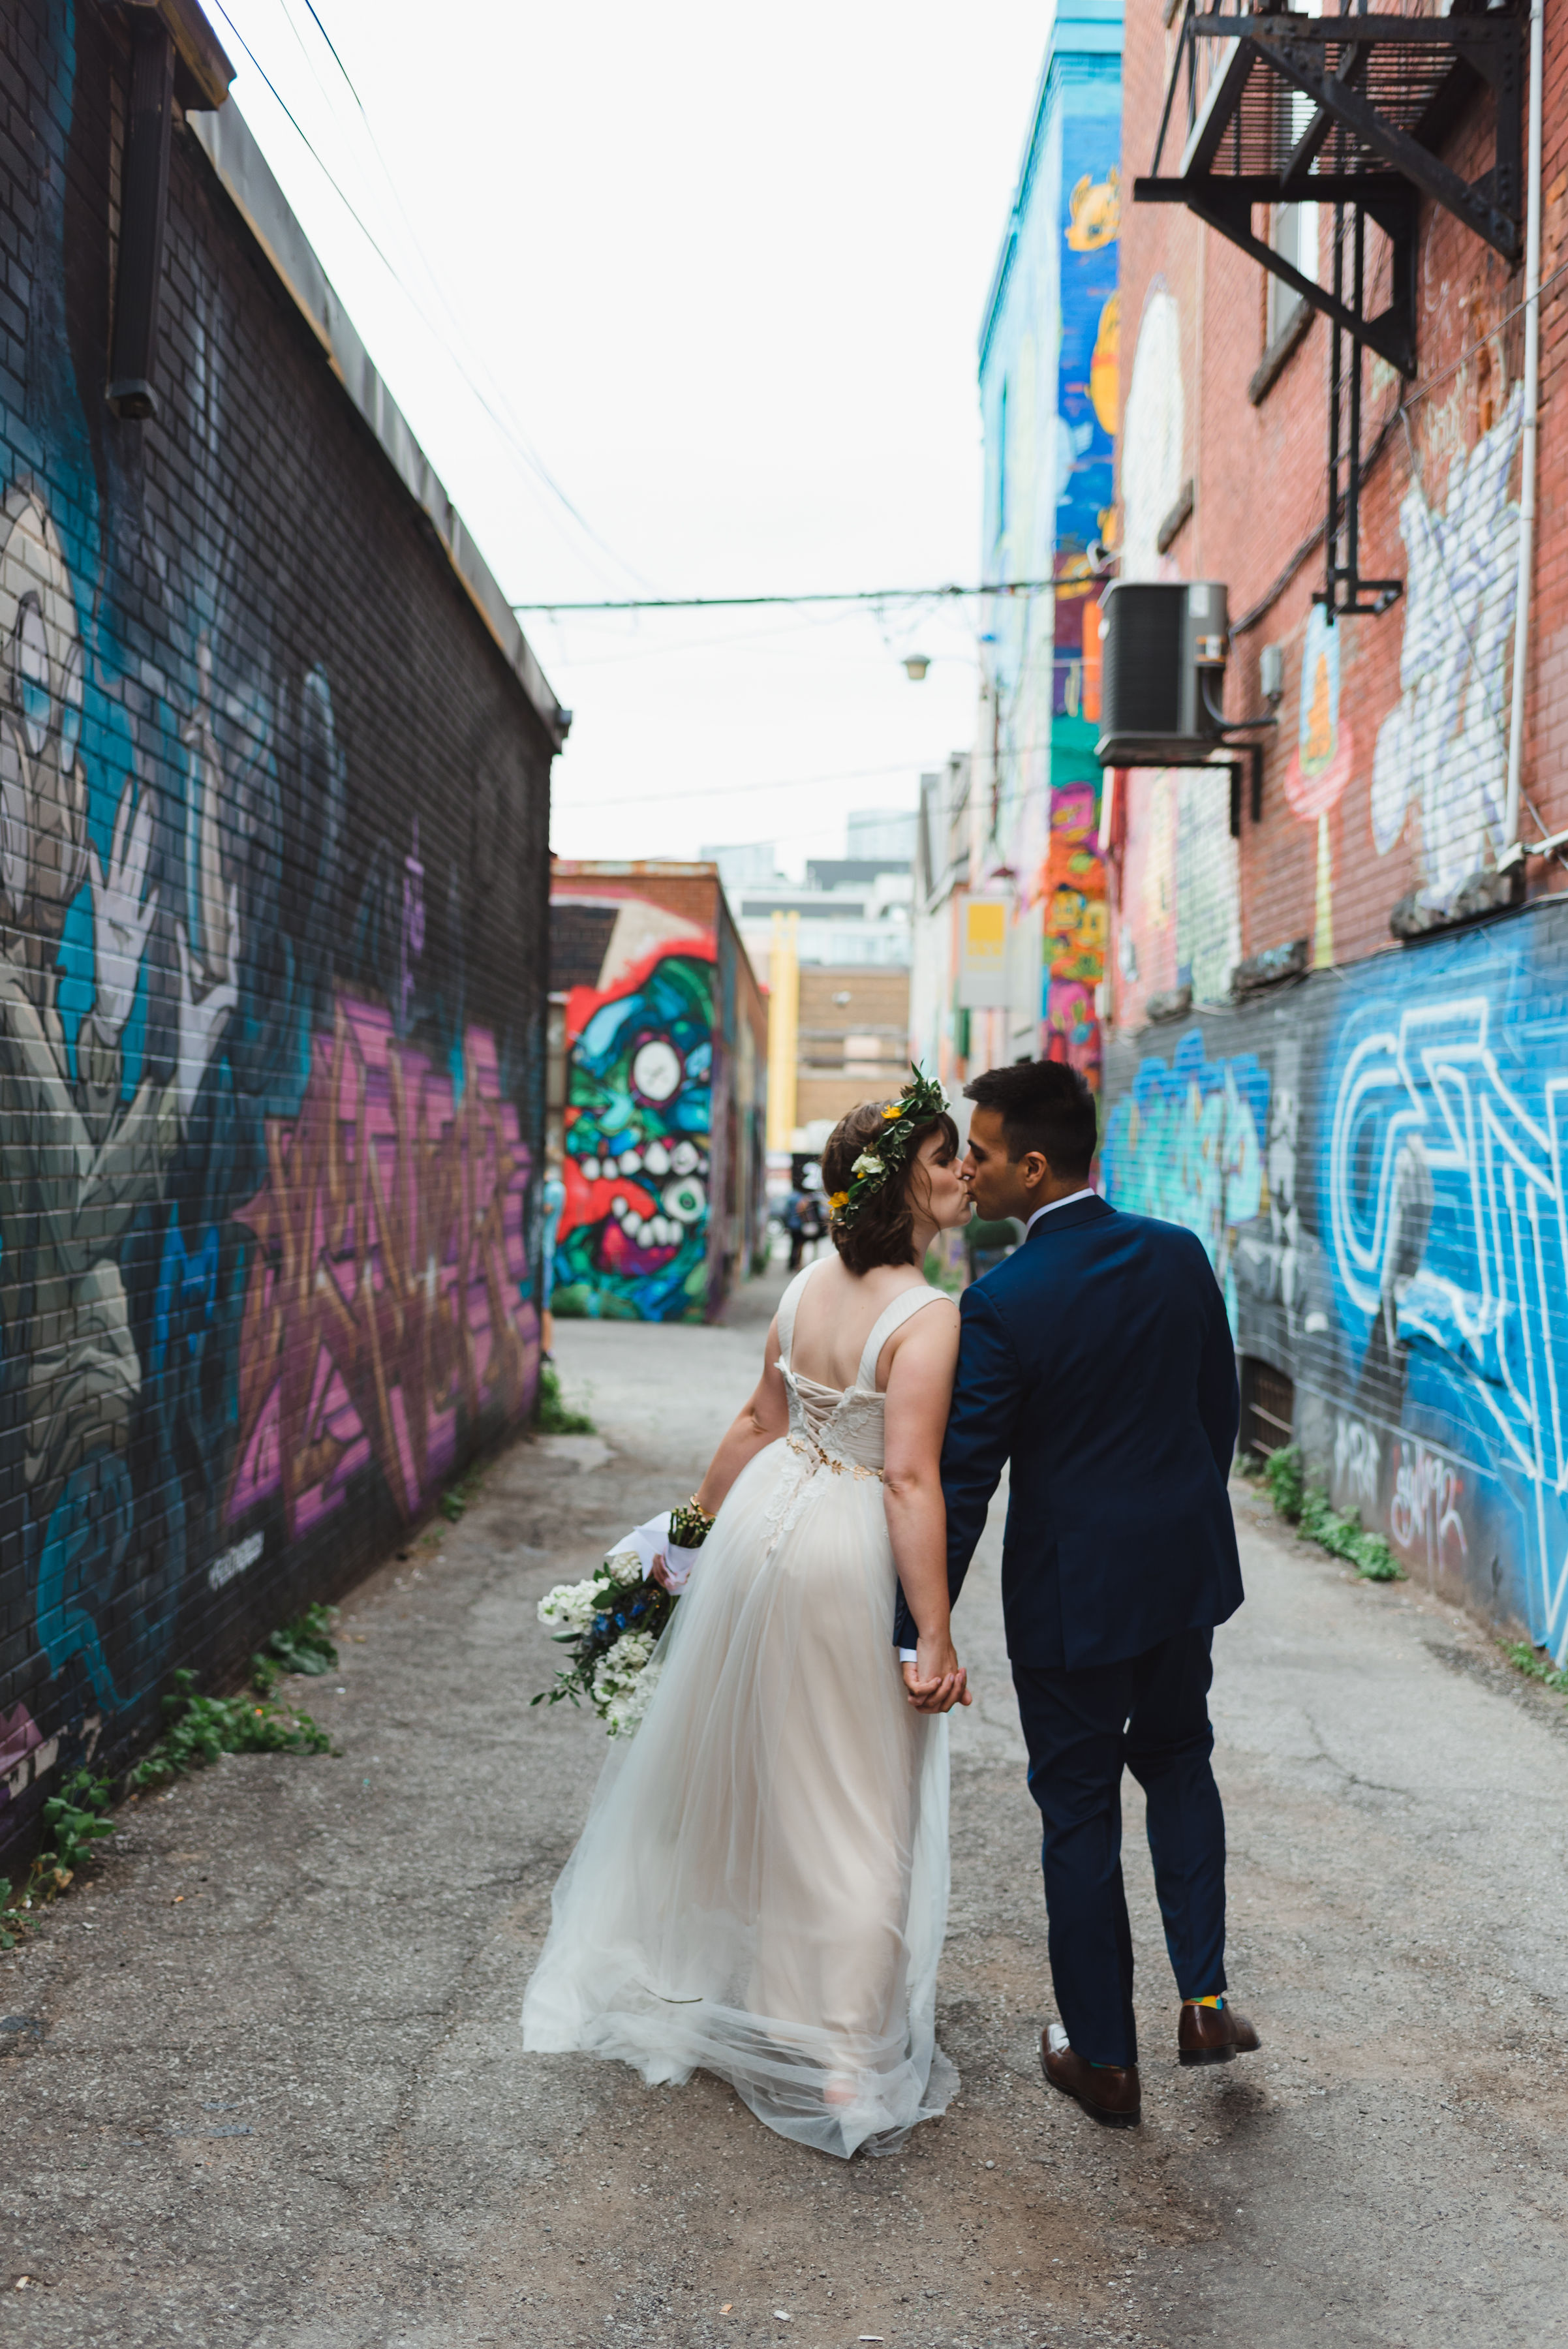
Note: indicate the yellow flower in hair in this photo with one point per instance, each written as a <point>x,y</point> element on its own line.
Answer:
<point>837,1199</point>
<point>893,1110</point>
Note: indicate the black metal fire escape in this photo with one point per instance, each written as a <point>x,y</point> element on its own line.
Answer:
<point>1348,110</point>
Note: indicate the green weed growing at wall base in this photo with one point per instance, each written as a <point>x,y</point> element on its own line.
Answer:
<point>1535,1666</point>
<point>1309,1509</point>
<point>303,1646</point>
<point>552,1414</point>
<point>203,1727</point>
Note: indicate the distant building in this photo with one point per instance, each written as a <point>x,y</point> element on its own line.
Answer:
<point>852,1044</point>
<point>754,863</point>
<point>881,833</point>
<point>1012,900</point>
<point>658,1044</point>
<point>832,952</point>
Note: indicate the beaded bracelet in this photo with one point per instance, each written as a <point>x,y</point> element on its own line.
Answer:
<point>689,1524</point>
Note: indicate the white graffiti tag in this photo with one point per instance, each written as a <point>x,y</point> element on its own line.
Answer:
<point>1444,745</point>
<point>1429,1139</point>
<point>1424,1510</point>
<point>1357,1458</point>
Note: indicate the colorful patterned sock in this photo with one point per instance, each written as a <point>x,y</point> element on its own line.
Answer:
<point>1218,2001</point>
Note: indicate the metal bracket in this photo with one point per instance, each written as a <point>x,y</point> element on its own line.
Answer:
<point>1254,752</point>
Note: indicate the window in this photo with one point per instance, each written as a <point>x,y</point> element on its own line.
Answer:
<point>1293,229</point>
<point>1293,235</point>
<point>1268,1408</point>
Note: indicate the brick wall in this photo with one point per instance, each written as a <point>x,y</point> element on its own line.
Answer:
<point>1386,776</point>
<point>1376,1161</point>
<point>1373,1157</point>
<point>273,899</point>
<point>663,1057</point>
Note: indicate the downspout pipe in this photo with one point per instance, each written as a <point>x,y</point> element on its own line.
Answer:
<point>1531,433</point>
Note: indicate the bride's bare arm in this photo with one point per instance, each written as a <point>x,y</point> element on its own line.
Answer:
<point>920,1391</point>
<point>761,1422</point>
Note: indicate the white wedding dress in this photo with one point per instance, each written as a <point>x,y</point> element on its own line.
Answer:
<point>761,1887</point>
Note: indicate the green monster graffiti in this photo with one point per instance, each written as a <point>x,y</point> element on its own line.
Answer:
<point>633,1242</point>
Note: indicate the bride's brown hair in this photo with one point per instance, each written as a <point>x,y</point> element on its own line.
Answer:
<point>883,1231</point>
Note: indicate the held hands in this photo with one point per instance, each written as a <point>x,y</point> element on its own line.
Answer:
<point>935,1680</point>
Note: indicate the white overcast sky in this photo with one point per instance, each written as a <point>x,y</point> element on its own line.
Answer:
<point>721,270</point>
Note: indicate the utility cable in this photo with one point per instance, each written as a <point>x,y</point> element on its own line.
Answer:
<point>841,596</point>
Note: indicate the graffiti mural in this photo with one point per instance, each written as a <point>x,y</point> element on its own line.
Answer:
<point>386,1289</point>
<point>83,1151</point>
<point>1086,402</point>
<point>632,1242</point>
<point>1075,921</point>
<point>1377,1164</point>
<point>1448,1220</point>
<point>1187,1144</point>
<point>270,1064</point>
<point>1321,762</point>
<point>1442,750</point>
<point>1050,359</point>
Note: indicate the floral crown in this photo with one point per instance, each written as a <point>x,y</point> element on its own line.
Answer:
<point>920,1102</point>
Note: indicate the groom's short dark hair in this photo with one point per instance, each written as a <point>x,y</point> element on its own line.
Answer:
<point>1043,1105</point>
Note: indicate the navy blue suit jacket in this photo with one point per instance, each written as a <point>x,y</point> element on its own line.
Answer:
<point>1097,1359</point>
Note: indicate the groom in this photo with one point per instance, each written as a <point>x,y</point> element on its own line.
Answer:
<point>1096,1360</point>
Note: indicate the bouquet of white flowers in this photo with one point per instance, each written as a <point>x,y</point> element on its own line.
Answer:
<point>611,1623</point>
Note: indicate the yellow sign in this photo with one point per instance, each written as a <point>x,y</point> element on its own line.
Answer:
<point>982,954</point>
<point>986,920</point>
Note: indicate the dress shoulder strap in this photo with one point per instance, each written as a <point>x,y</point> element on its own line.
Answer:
<point>787,1304</point>
<point>907,1301</point>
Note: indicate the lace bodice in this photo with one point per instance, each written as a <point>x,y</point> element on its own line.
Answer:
<point>841,1427</point>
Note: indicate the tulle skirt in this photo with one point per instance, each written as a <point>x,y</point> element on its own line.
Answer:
<point>761,1887</point>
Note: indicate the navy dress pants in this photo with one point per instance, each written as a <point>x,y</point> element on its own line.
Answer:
<point>1150,1715</point>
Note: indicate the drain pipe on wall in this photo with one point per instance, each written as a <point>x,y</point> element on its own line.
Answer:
<point>1515,850</point>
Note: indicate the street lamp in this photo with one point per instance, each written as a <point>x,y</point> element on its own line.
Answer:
<point>915,666</point>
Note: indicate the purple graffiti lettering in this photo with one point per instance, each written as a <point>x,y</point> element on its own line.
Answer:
<point>386,1295</point>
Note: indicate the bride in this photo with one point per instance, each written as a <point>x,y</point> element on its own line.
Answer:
<point>761,1886</point>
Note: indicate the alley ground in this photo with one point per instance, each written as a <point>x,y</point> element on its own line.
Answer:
<point>263,2084</point>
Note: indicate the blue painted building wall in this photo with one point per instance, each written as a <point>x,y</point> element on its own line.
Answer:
<point>1377,1163</point>
<point>1048,384</point>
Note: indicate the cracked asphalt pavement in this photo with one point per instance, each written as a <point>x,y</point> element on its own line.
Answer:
<point>262,2081</point>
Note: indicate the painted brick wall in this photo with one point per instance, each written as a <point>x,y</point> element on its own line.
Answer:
<point>1376,1161</point>
<point>1385,775</point>
<point>664,1046</point>
<point>273,882</point>
<point>1373,1158</point>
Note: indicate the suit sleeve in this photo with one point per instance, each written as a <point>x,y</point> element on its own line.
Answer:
<point>987,1393</point>
<point>1219,1397</point>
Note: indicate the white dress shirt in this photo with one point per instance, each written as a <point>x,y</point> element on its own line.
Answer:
<point>909,1655</point>
<point>1052,1205</point>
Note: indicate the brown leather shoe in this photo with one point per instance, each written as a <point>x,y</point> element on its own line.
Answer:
<point>1109,2093</point>
<point>1212,2035</point>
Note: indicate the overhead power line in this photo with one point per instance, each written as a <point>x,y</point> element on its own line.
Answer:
<point>746,602</point>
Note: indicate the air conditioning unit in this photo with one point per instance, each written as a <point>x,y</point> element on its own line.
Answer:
<point>1164,644</point>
